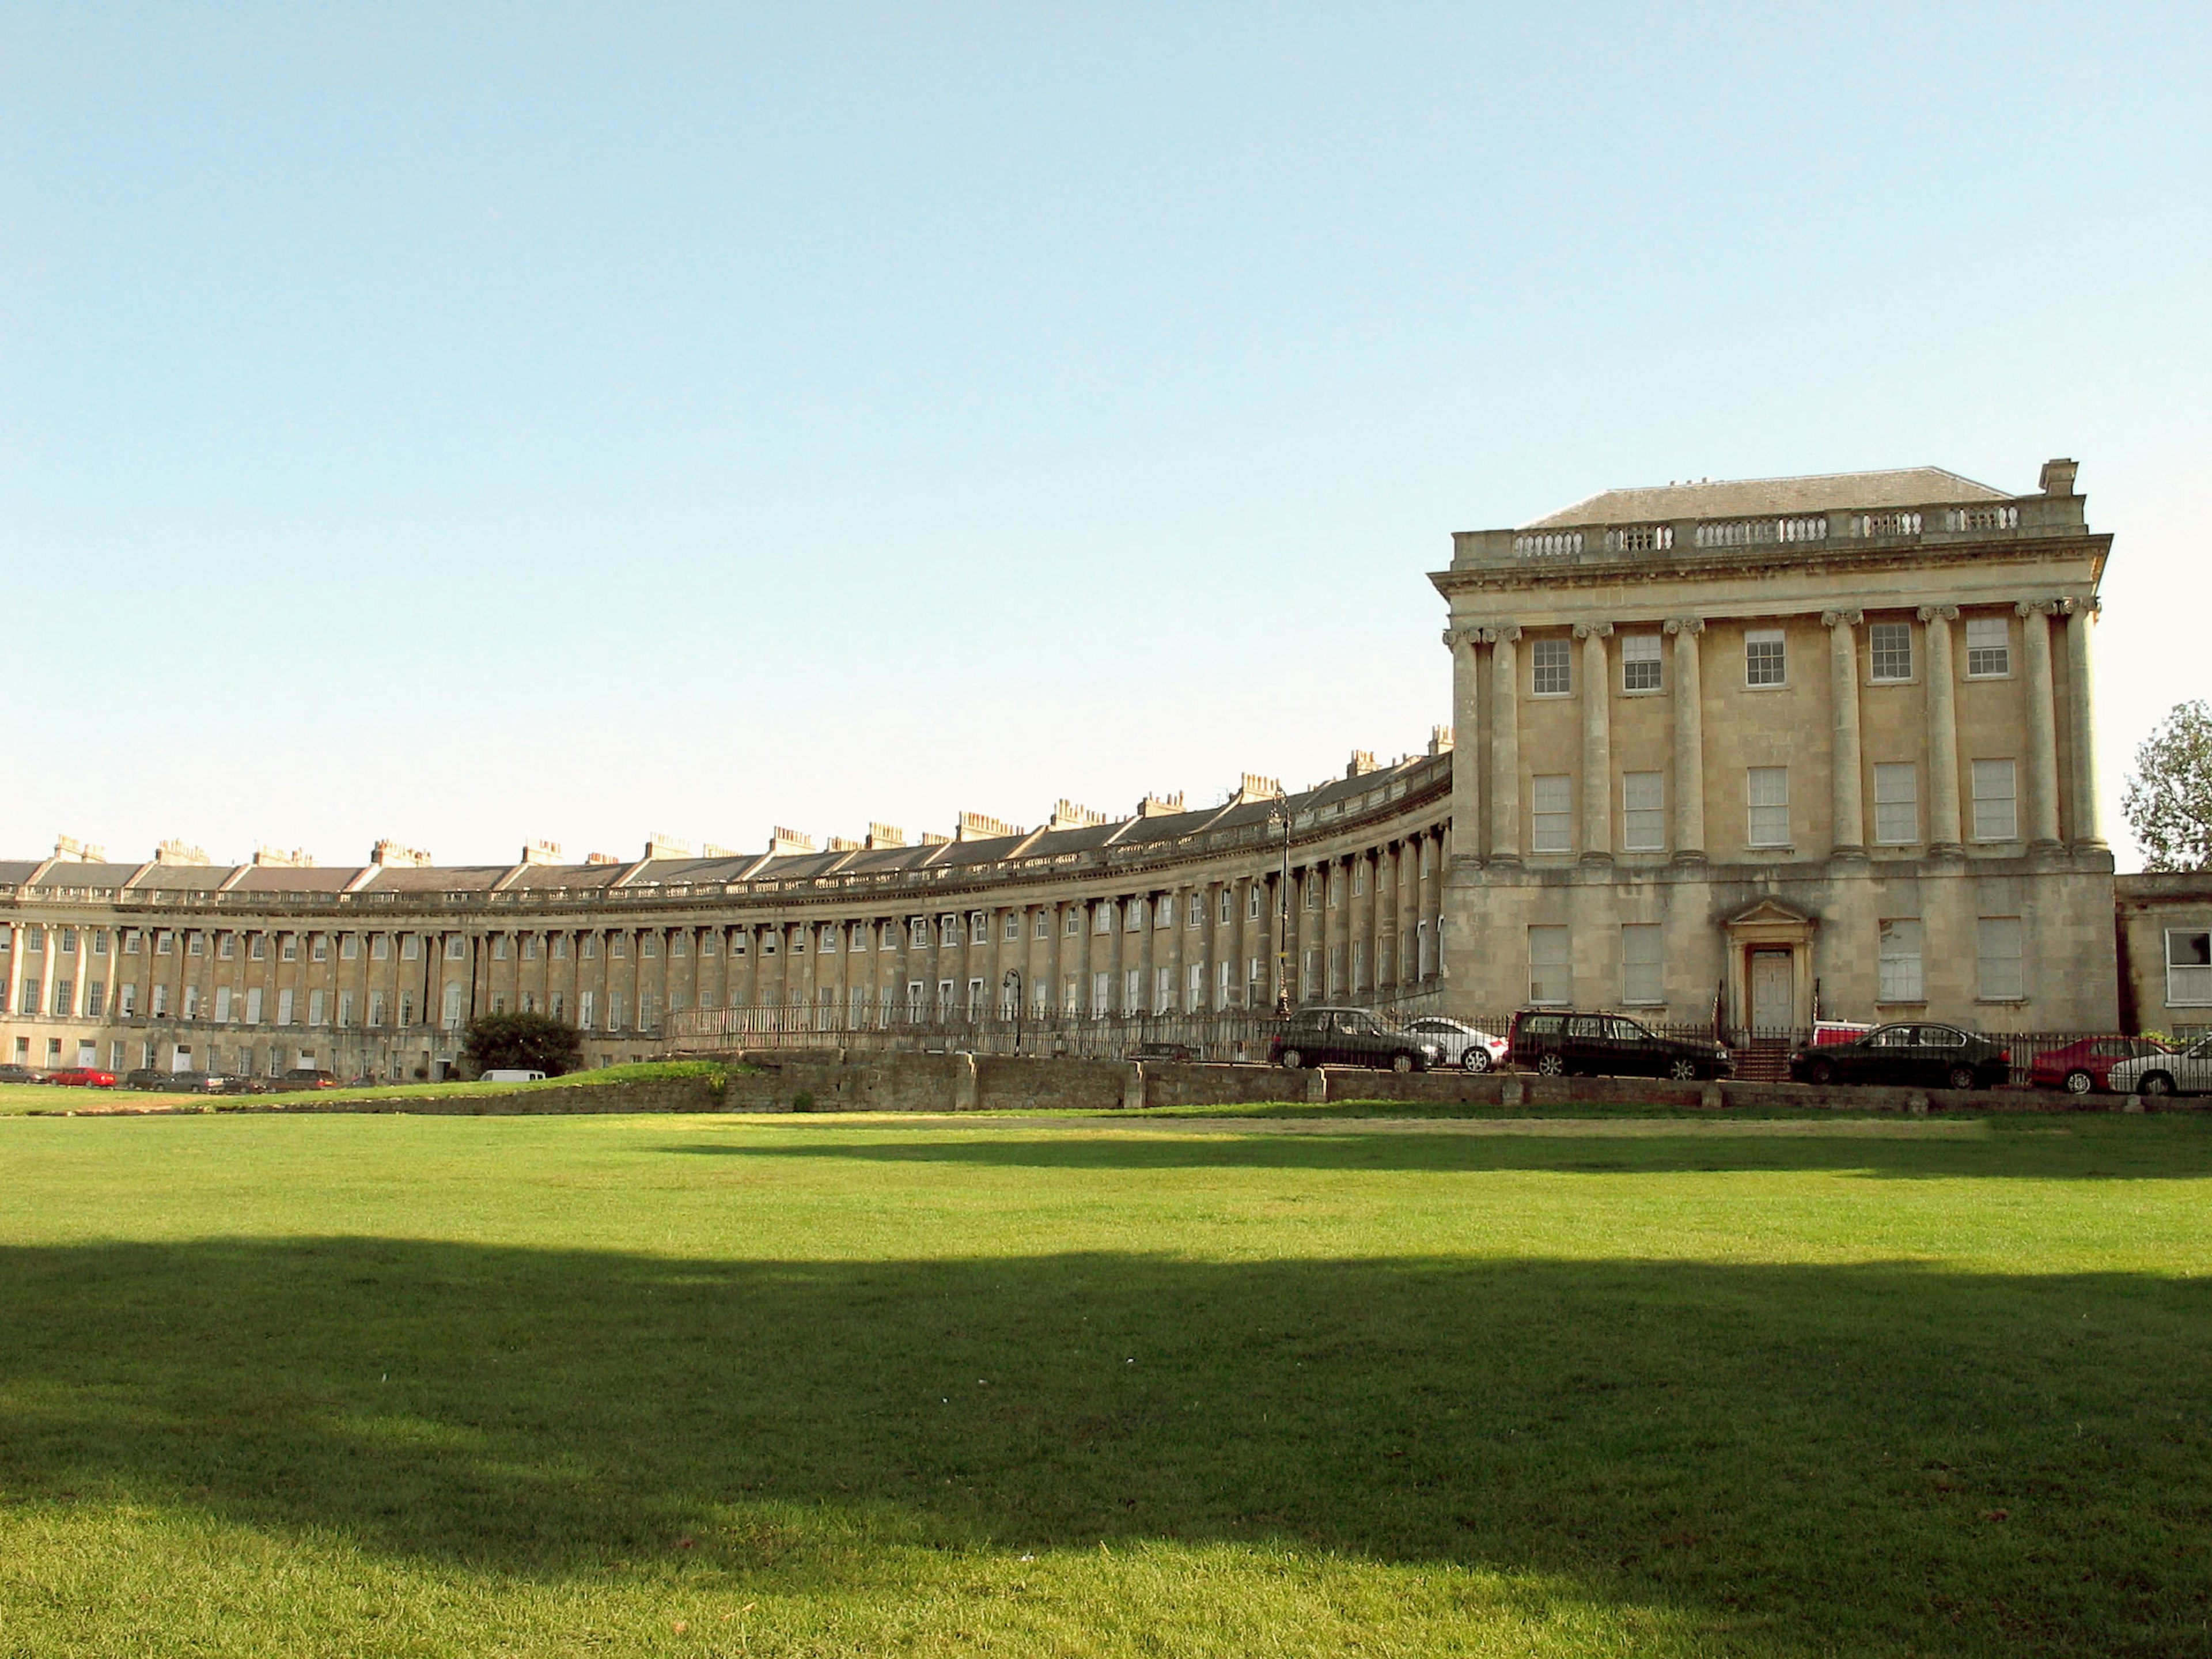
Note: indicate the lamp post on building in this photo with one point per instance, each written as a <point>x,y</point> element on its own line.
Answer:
<point>1280,817</point>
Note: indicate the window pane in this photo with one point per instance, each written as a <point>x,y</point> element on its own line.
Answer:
<point>1641,971</point>
<point>1552,813</point>
<point>1549,980</point>
<point>1995,815</point>
<point>1763,660</point>
<point>1642,814</point>
<point>1898,967</point>
<point>1999,941</point>
<point>1767,792</point>
<point>1890,646</point>
<point>1552,674</point>
<point>1896,804</point>
<point>1640,662</point>
<point>1988,646</point>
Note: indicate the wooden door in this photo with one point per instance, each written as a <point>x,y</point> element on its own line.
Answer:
<point>1772,1006</point>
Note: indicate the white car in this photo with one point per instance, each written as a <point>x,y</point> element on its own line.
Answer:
<point>1459,1044</point>
<point>2189,1072</point>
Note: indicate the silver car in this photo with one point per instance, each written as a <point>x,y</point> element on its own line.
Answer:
<point>1458,1043</point>
<point>2189,1072</point>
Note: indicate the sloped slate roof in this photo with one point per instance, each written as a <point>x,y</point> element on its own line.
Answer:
<point>1822,492</point>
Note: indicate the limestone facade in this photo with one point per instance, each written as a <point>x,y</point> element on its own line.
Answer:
<point>1790,744</point>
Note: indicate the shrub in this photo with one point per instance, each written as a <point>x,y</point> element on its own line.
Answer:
<point>524,1042</point>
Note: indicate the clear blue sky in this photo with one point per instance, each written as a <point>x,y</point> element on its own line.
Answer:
<point>470,424</point>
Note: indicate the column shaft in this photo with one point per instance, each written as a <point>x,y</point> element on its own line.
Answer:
<point>2088,829</point>
<point>1598,743</point>
<point>1943,731</point>
<point>1466,748</point>
<point>1505,747</point>
<point>1689,739</point>
<point>2042,727</point>
<point>1847,830</point>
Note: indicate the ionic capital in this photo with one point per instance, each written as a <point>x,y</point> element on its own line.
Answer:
<point>2039,608</point>
<point>1685,624</point>
<point>1468,634</point>
<point>1505,634</point>
<point>1842,618</point>
<point>1931,612</point>
<point>1586,630</point>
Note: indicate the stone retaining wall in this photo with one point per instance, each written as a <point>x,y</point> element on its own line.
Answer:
<point>824,1081</point>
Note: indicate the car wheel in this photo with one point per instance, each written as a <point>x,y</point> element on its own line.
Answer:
<point>1683,1070</point>
<point>2157,1084</point>
<point>2079,1083</point>
<point>1476,1058</point>
<point>1820,1072</point>
<point>1962,1077</point>
<point>1551,1066</point>
<point>1292,1060</point>
<point>1401,1062</point>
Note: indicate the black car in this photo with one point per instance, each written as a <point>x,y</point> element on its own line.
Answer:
<point>1917,1055</point>
<point>1556,1044</point>
<point>146,1078</point>
<point>1348,1036</point>
<point>1165,1051</point>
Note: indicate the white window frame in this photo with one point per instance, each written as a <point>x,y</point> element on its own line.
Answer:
<point>1552,812</point>
<point>1900,953</point>
<point>2001,959</point>
<point>1896,804</point>
<point>1994,810</point>
<point>1644,811</point>
<point>1551,967</point>
<point>1763,831</point>
<point>2188,984</point>
<point>1642,964</point>
<point>1876,634</point>
<point>2001,668</point>
<point>1756,663</point>
<point>1643,666</point>
<point>1552,668</point>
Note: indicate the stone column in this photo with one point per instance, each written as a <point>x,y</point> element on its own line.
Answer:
<point>1847,805</point>
<point>2042,723</point>
<point>2087,830</point>
<point>1597,742</point>
<point>1943,731</point>
<point>1371,862</point>
<point>1504,744</point>
<point>1466,750</point>
<point>1431,903</point>
<point>1689,740</point>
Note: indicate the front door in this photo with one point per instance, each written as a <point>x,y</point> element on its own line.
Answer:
<point>1772,1007</point>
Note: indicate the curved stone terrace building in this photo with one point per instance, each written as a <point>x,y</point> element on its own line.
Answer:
<point>1755,751</point>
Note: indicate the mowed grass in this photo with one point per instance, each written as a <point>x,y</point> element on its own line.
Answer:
<point>685,1385</point>
<point>29,1098</point>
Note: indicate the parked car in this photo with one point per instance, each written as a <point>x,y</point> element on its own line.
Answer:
<point>2189,1072</point>
<point>1349,1037</point>
<point>195,1083</point>
<point>240,1086</point>
<point>82,1077</point>
<point>1458,1043</point>
<point>1926,1056</point>
<point>17,1074</point>
<point>145,1077</point>
<point>1168,1051</point>
<point>305,1077</point>
<point>2083,1067</point>
<point>1556,1044</point>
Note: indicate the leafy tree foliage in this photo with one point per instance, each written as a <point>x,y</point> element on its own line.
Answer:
<point>524,1042</point>
<point>2169,797</point>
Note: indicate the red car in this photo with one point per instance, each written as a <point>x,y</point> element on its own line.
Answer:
<point>83,1077</point>
<point>2082,1067</point>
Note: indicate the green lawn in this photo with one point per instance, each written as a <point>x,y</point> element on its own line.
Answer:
<point>389,1385</point>
<point>29,1097</point>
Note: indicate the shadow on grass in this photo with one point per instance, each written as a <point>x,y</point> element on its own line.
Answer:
<point>1818,1449</point>
<point>2165,1149</point>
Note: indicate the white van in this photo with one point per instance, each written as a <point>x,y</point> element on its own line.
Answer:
<point>511,1074</point>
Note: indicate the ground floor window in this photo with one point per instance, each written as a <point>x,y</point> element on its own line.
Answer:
<point>2188,967</point>
<point>1998,952</point>
<point>1897,966</point>
<point>1550,978</point>
<point>1642,973</point>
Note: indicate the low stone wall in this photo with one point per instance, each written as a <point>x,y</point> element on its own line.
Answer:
<point>827,1081</point>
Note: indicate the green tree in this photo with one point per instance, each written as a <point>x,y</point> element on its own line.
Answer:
<point>2169,797</point>
<point>523,1042</point>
